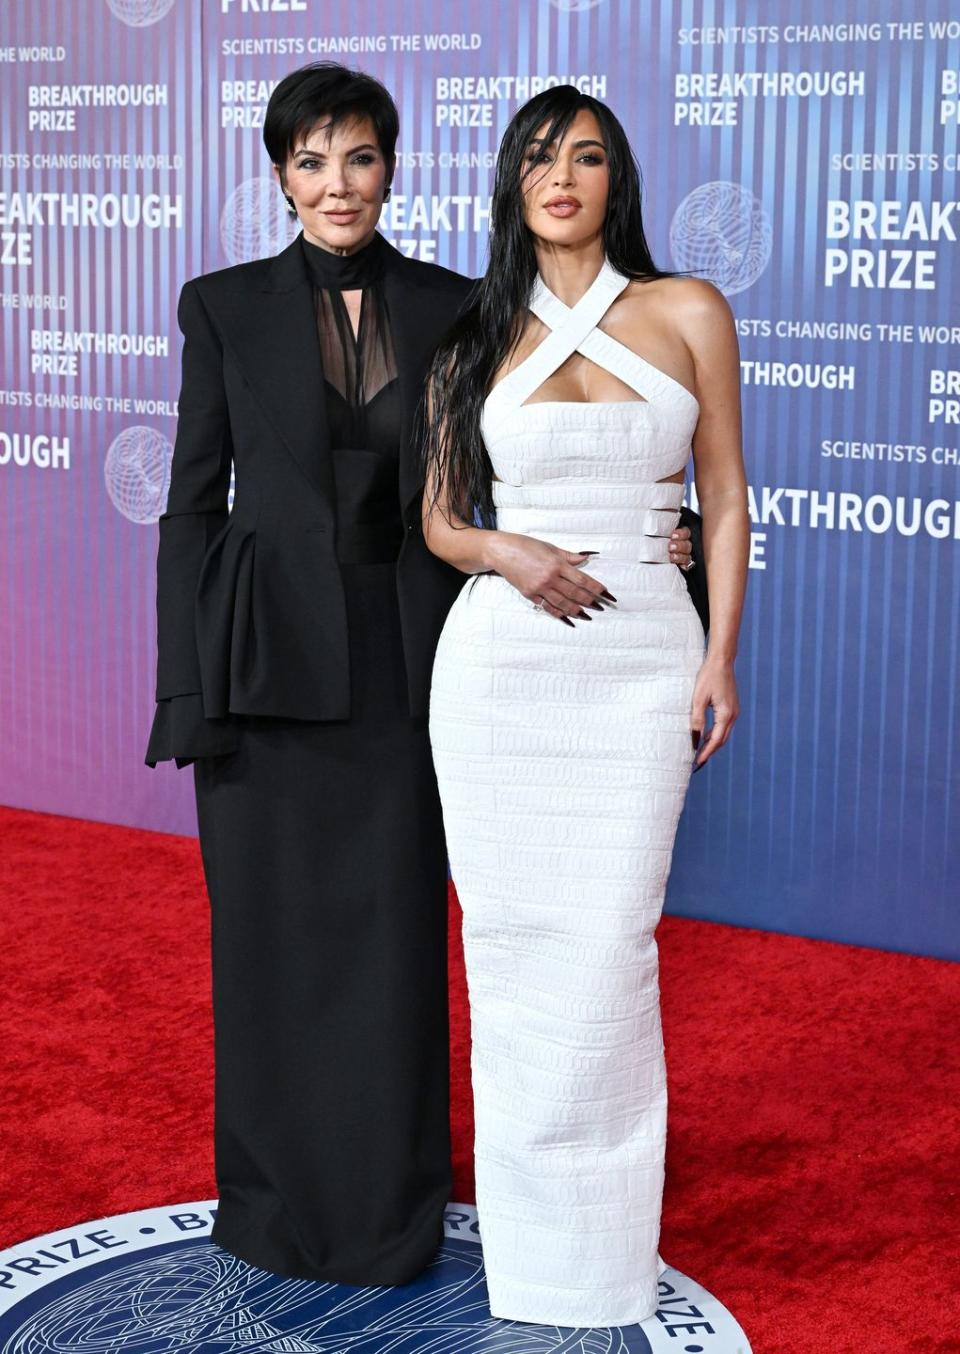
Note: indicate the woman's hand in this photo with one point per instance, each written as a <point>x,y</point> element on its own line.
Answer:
<point>553,577</point>
<point>545,574</point>
<point>681,548</point>
<point>716,686</point>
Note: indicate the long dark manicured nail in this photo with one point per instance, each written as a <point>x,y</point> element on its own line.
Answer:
<point>607,593</point>
<point>567,621</point>
<point>583,615</point>
<point>588,552</point>
<point>594,606</point>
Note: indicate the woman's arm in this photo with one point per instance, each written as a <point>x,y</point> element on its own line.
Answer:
<point>197,503</point>
<point>196,511</point>
<point>540,571</point>
<point>708,329</point>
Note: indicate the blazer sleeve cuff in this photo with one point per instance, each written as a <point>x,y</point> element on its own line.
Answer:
<point>182,733</point>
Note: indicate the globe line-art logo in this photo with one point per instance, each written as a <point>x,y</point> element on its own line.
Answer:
<point>137,474</point>
<point>722,231</point>
<point>152,1282</point>
<point>255,222</point>
<point>141,13</point>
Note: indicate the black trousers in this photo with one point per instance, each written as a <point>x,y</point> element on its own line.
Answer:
<point>325,863</point>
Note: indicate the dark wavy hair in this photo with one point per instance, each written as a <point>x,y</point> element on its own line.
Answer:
<point>464,365</point>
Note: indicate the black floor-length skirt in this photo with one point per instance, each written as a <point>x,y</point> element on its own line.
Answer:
<point>324,855</point>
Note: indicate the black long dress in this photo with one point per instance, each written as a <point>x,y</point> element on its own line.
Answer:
<point>324,855</point>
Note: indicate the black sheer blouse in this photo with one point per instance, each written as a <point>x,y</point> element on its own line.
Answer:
<point>363,402</point>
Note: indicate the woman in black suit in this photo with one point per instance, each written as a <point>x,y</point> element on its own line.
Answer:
<point>296,639</point>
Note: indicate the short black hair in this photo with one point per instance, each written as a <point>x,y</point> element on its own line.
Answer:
<point>327,92</point>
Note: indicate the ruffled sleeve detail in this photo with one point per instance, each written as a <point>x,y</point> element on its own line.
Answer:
<point>182,733</point>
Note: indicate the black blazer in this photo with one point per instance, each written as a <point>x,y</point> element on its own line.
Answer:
<point>250,608</point>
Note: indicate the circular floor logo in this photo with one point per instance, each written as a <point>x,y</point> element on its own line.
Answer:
<point>722,231</point>
<point>152,1282</point>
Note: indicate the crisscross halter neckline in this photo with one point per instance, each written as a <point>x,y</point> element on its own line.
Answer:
<point>575,329</point>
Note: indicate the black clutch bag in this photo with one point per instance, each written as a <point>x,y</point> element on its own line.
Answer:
<point>696,578</point>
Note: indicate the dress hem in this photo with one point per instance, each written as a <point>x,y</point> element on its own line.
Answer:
<point>380,1274</point>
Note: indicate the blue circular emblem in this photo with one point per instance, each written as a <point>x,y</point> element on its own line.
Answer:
<point>152,1282</point>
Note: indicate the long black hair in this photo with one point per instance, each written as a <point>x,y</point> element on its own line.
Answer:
<point>464,365</point>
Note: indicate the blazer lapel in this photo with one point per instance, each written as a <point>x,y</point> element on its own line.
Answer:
<point>414,338</point>
<point>273,333</point>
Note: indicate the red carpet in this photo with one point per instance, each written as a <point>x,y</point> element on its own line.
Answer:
<point>814,1146</point>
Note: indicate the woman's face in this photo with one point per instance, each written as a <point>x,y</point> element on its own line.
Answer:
<point>565,192</point>
<point>337,178</point>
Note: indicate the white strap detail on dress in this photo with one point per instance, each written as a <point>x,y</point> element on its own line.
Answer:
<point>570,328</point>
<point>603,350</point>
<point>615,357</point>
<point>575,330</point>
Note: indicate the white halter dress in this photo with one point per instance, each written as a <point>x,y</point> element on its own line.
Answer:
<point>563,757</point>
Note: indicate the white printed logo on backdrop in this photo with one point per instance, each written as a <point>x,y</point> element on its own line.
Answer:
<point>722,231</point>
<point>140,13</point>
<point>255,221</point>
<point>137,474</point>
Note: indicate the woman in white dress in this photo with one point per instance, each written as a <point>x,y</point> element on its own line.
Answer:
<point>563,411</point>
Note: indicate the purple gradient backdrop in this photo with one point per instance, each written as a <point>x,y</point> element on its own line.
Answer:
<point>833,811</point>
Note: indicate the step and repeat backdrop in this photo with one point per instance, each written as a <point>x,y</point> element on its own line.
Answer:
<point>803,156</point>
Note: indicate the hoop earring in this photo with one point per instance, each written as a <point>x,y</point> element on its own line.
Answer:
<point>291,205</point>
<point>386,196</point>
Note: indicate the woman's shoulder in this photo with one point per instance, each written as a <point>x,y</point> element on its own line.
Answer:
<point>235,276</point>
<point>431,276</point>
<point>684,294</point>
<point>688,308</point>
<point>425,278</point>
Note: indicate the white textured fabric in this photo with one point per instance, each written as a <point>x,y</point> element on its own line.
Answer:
<point>563,757</point>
